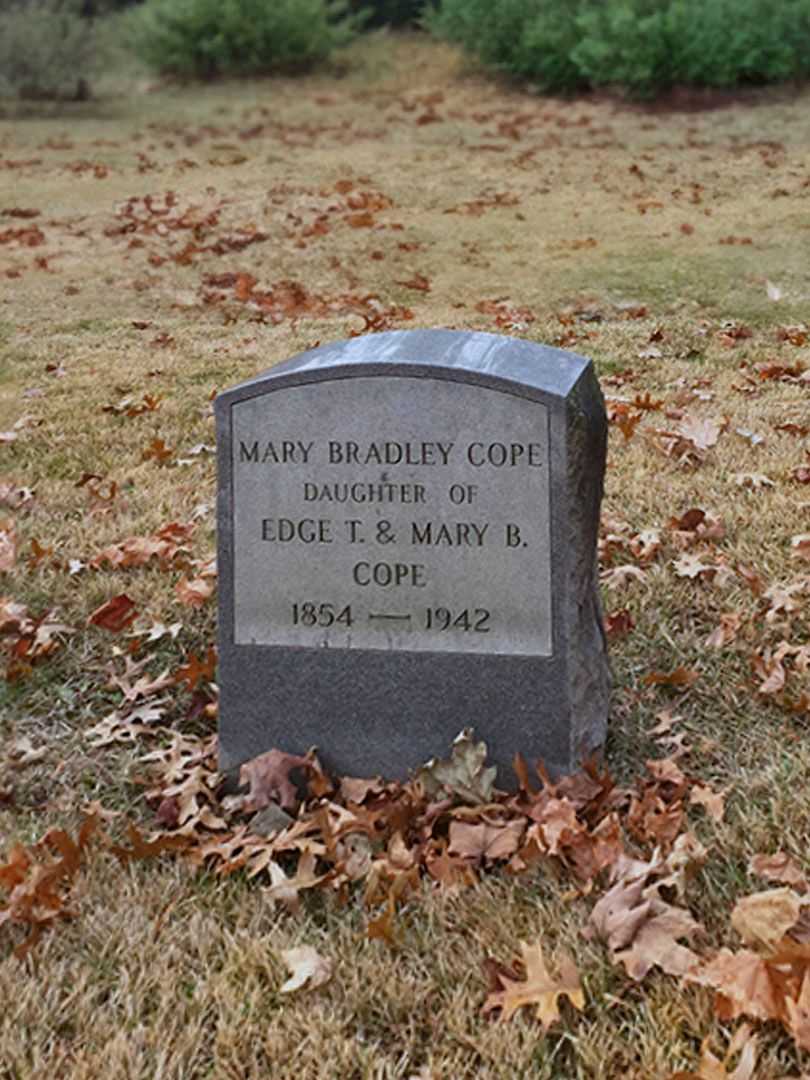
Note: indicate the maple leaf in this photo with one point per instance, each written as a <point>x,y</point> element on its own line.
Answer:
<point>539,989</point>
<point>691,566</point>
<point>308,969</point>
<point>269,778</point>
<point>447,870</point>
<point>797,1020</point>
<point>656,945</point>
<point>464,775</point>
<point>640,927</point>
<point>418,282</point>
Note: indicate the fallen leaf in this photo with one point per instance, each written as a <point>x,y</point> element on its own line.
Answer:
<point>195,592</point>
<point>308,969</point>
<point>464,775</point>
<point>680,678</point>
<point>485,840</point>
<point>713,802</point>
<point>268,777</point>
<point>764,918</point>
<point>8,545</point>
<point>115,615</point>
<point>754,481</point>
<point>538,989</point>
<point>779,867</point>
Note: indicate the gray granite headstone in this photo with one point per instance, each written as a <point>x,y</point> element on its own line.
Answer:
<point>407,547</point>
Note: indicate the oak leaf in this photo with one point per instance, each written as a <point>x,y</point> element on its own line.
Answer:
<point>539,989</point>
<point>286,889</point>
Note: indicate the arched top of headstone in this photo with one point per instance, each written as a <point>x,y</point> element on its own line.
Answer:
<point>471,356</point>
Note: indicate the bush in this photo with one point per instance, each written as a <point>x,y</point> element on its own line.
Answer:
<point>390,12</point>
<point>642,45</point>
<point>239,37</point>
<point>47,49</point>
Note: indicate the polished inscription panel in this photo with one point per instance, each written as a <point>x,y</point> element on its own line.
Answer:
<point>392,513</point>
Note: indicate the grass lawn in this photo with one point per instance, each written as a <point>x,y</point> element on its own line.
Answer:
<point>164,242</point>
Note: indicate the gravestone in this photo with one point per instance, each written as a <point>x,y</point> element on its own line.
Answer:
<point>407,547</point>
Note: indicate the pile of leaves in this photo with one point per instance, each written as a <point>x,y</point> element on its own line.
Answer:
<point>296,829</point>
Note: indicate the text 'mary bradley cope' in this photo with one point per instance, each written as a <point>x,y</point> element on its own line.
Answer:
<point>407,546</point>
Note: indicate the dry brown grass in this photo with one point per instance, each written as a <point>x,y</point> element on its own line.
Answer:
<point>168,974</point>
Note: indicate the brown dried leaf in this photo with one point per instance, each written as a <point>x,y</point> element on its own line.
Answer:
<point>680,678</point>
<point>464,775</point>
<point>743,981</point>
<point>485,840</point>
<point>268,776</point>
<point>195,592</point>
<point>8,545</point>
<point>308,969</point>
<point>779,867</point>
<point>764,918</point>
<point>656,942</point>
<point>538,989</point>
<point>713,802</point>
<point>116,615</point>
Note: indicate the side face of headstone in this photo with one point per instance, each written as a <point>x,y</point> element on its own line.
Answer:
<point>407,546</point>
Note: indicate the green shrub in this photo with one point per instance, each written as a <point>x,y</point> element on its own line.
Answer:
<point>641,45</point>
<point>47,49</point>
<point>239,37</point>
<point>390,12</point>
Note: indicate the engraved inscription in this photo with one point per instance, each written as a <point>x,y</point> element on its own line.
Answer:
<point>392,513</point>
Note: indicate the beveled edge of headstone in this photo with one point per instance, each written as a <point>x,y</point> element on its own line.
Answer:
<point>428,352</point>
